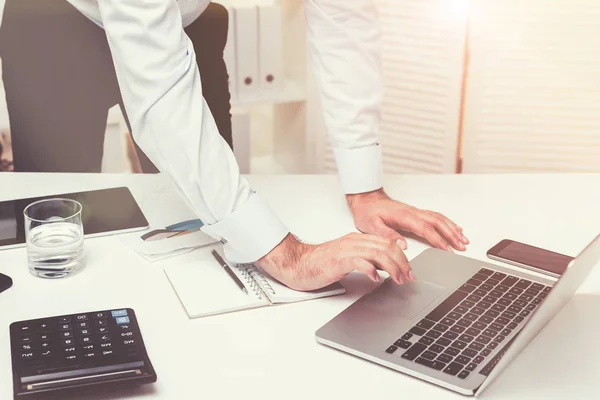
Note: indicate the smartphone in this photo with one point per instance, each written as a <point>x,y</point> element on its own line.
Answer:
<point>530,257</point>
<point>5,282</point>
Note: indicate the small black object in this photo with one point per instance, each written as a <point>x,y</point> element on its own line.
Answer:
<point>5,282</point>
<point>55,356</point>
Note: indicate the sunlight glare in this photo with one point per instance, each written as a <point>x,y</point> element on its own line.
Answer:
<point>457,8</point>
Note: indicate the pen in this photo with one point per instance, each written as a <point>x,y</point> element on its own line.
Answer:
<point>223,264</point>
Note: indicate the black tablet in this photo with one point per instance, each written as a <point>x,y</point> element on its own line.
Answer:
<point>105,211</point>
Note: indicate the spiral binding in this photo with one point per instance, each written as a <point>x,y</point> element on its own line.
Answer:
<point>258,283</point>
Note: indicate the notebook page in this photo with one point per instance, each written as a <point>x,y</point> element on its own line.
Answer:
<point>279,293</point>
<point>205,289</point>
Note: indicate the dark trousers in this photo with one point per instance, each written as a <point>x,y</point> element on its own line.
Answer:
<point>60,82</point>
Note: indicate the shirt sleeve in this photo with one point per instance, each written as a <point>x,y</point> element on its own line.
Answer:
<point>162,92</point>
<point>344,46</point>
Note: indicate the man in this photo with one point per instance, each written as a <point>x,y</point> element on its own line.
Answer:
<point>160,83</point>
<point>61,71</point>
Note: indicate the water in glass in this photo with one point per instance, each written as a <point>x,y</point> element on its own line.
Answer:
<point>54,233</point>
<point>55,250</point>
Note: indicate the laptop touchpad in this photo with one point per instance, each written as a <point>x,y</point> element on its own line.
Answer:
<point>408,300</point>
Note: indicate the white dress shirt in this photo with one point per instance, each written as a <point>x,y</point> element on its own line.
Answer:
<point>161,88</point>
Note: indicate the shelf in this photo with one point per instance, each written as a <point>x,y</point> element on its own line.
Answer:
<point>292,92</point>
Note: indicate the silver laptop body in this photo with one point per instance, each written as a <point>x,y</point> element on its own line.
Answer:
<point>393,325</point>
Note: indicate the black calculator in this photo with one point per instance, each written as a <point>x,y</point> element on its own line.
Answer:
<point>71,353</point>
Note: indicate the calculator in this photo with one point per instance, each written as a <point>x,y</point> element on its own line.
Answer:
<point>71,353</point>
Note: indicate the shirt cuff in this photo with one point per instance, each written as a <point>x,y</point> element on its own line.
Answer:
<point>360,170</point>
<point>250,232</point>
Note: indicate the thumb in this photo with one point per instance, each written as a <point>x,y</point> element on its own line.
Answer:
<point>383,230</point>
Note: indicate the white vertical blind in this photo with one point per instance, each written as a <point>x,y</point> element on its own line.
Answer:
<point>533,87</point>
<point>423,60</point>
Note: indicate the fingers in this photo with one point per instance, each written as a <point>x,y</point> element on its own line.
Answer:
<point>366,268</point>
<point>383,261</point>
<point>443,227</point>
<point>428,232</point>
<point>438,230</point>
<point>382,229</point>
<point>417,224</point>
<point>455,228</point>
<point>382,249</point>
<point>462,235</point>
<point>383,253</point>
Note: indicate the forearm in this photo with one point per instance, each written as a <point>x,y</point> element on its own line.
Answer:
<point>162,92</point>
<point>344,46</point>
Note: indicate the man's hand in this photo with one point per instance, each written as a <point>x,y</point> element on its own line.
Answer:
<point>308,267</point>
<point>376,213</point>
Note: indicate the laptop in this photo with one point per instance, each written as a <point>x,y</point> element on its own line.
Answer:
<point>460,323</point>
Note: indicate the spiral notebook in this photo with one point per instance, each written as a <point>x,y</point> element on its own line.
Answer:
<point>205,289</point>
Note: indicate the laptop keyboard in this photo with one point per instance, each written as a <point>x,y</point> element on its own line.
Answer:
<point>462,331</point>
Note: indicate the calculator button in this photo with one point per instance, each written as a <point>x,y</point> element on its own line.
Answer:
<point>86,340</point>
<point>43,326</point>
<point>106,345</point>
<point>129,342</point>
<point>88,347</point>
<point>46,353</point>
<point>119,313</point>
<point>44,336</point>
<point>71,357</point>
<point>127,334</point>
<point>122,320</point>
<point>89,355</point>
<point>105,337</point>
<point>27,356</point>
<point>101,322</point>
<point>69,350</point>
<point>64,320</point>
<point>125,327</point>
<point>107,352</point>
<point>85,332</point>
<point>68,342</point>
<point>66,334</point>
<point>83,325</point>
<point>100,315</point>
<point>26,339</point>
<point>102,329</point>
<point>81,317</point>
<point>25,328</point>
<point>65,327</point>
<point>27,347</point>
<point>45,345</point>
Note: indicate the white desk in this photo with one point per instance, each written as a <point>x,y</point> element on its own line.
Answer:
<point>271,353</point>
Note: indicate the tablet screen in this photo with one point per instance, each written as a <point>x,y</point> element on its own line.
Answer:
<point>104,211</point>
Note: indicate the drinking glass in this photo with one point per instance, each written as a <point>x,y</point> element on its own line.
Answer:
<point>54,237</point>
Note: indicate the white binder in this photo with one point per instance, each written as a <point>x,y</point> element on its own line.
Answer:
<point>270,43</point>
<point>246,46</point>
